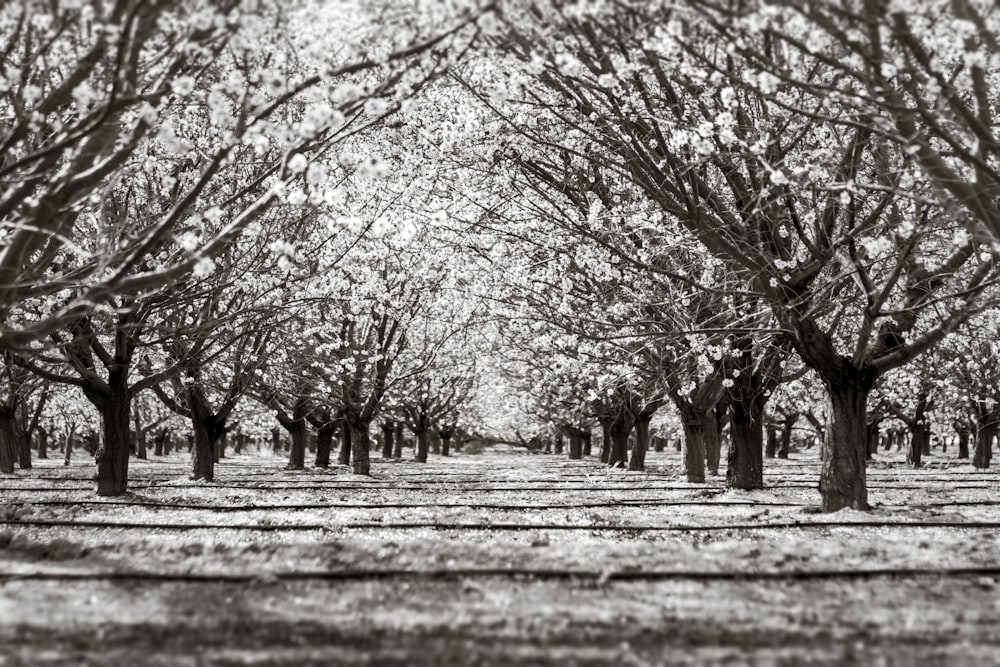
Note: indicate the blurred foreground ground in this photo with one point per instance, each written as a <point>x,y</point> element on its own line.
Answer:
<point>497,558</point>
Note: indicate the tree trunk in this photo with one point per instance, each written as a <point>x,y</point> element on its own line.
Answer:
<point>158,442</point>
<point>713,441</point>
<point>435,442</point>
<point>116,416</point>
<point>575,445</point>
<point>963,442</point>
<point>771,448</point>
<point>695,423</point>
<point>620,430</point>
<point>605,423</point>
<point>24,450</point>
<point>559,443</point>
<point>984,445</point>
<point>786,437</point>
<point>208,430</point>
<point>140,436</point>
<point>43,442</point>
<point>69,444</point>
<point>397,447</point>
<point>872,433</point>
<point>745,461</point>
<point>422,445</point>
<point>360,445</point>
<point>297,452</point>
<point>8,443</point>
<point>344,457</point>
<point>920,437</point>
<point>276,439</point>
<point>445,443</point>
<point>388,429</point>
<point>638,461</point>
<point>324,443</point>
<point>842,481</point>
<point>203,458</point>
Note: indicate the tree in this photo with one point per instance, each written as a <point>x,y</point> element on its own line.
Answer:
<point>121,82</point>
<point>848,253</point>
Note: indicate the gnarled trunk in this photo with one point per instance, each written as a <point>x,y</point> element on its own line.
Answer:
<point>360,444</point>
<point>842,481</point>
<point>713,440</point>
<point>397,448</point>
<point>43,442</point>
<point>771,447</point>
<point>638,461</point>
<point>575,444</point>
<point>963,432</point>
<point>605,423</point>
<point>24,450</point>
<point>445,442</point>
<point>620,430</point>
<point>920,440</point>
<point>745,461</point>
<point>8,442</point>
<point>694,424</point>
<point>324,443</point>
<point>423,445</point>
<point>786,436</point>
<point>983,452</point>
<point>116,414</point>
<point>388,429</point>
<point>207,430</point>
<point>344,457</point>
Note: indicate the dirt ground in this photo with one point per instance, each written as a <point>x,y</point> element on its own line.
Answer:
<point>494,559</point>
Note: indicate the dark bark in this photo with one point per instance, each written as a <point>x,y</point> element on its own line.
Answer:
<point>116,414</point>
<point>208,428</point>
<point>786,435</point>
<point>388,429</point>
<point>963,440</point>
<point>575,443</point>
<point>8,443</point>
<point>745,462</point>
<point>694,423</point>
<point>605,423</point>
<point>620,430</point>
<point>771,447</point>
<point>559,444</point>
<point>43,442</point>
<point>159,441</point>
<point>346,444</point>
<point>397,449</point>
<point>983,452</point>
<point>586,442</point>
<point>422,445</point>
<point>435,442</point>
<point>24,450</point>
<point>360,444</point>
<point>325,433</point>
<point>872,434</point>
<point>842,480</point>
<point>638,461</point>
<point>140,436</point>
<point>69,444</point>
<point>297,452</point>
<point>920,438</point>
<point>445,435</point>
<point>713,439</point>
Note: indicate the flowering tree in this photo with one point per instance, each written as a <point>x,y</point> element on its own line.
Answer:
<point>818,211</point>
<point>96,89</point>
